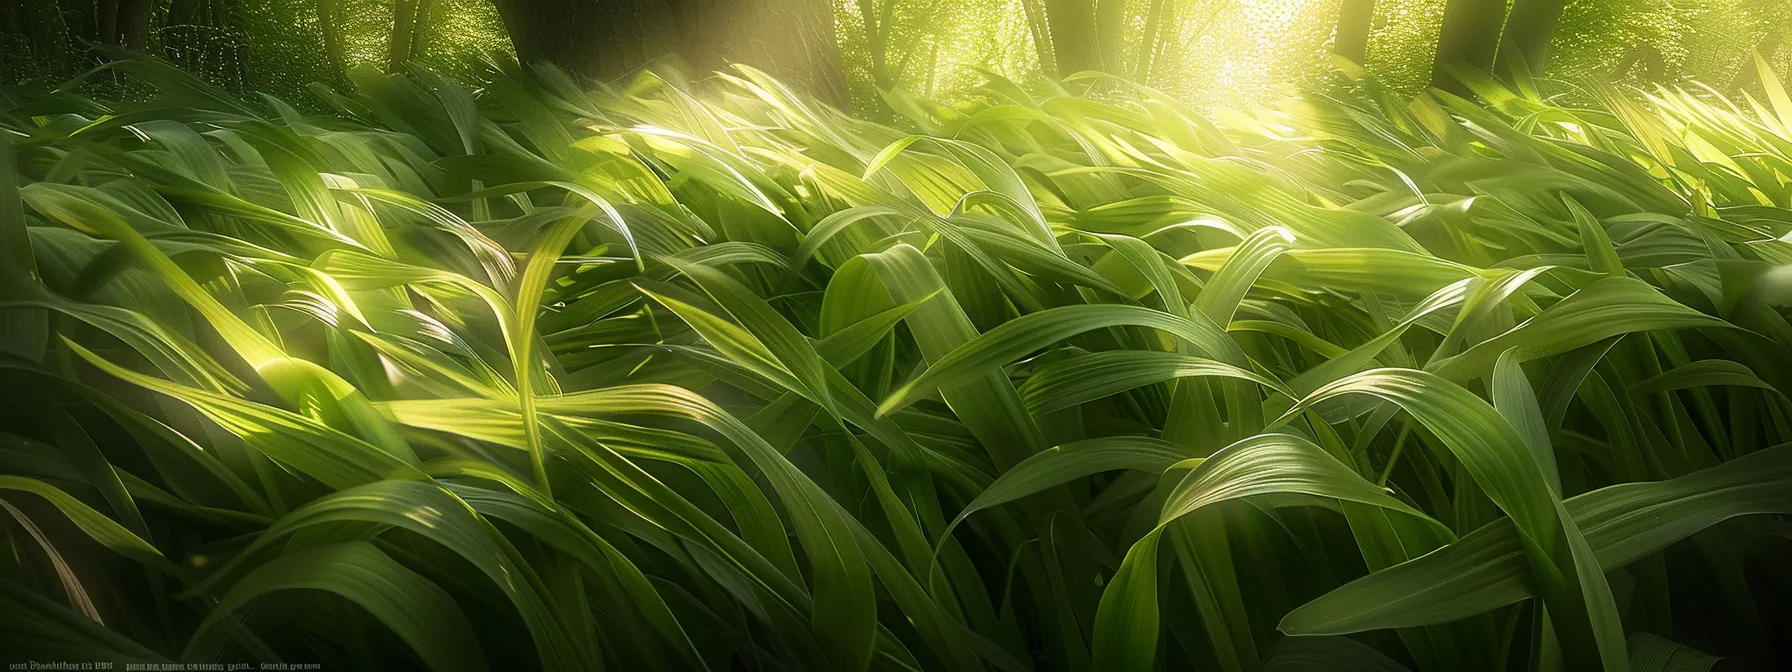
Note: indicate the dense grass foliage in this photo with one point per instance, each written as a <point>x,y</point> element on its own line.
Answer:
<point>537,376</point>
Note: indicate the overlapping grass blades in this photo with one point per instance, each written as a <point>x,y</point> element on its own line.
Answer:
<point>643,378</point>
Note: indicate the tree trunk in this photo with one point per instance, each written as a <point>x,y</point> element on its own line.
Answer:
<point>1086,35</point>
<point>1532,25</point>
<point>604,39</point>
<point>188,12</point>
<point>1470,38</point>
<point>410,25</point>
<point>1072,25</point>
<point>1352,39</point>
<point>1154,35</point>
<point>1110,35</point>
<point>122,22</point>
<point>105,21</point>
<point>1042,36</point>
<point>792,40</point>
<point>326,21</point>
<point>427,11</point>
<point>398,48</point>
<point>133,23</point>
<point>876,29</point>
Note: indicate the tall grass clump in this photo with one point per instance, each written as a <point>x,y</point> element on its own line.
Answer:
<point>643,378</point>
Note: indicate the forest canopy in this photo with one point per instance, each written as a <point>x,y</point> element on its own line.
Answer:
<point>1209,52</point>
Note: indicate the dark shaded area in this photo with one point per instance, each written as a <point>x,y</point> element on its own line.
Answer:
<point>607,39</point>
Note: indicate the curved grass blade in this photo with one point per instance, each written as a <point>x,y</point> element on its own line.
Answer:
<point>417,610</point>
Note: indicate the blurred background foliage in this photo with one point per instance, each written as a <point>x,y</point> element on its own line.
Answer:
<point>276,47</point>
<point>1230,53</point>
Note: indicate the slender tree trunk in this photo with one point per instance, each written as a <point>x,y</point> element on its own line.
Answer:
<point>933,68</point>
<point>1154,35</point>
<point>1042,36</point>
<point>875,32</point>
<point>326,21</point>
<point>1470,38</point>
<point>427,11</point>
<point>410,23</point>
<point>792,40</point>
<point>398,48</point>
<point>1531,25</point>
<point>879,19</point>
<point>1352,39</point>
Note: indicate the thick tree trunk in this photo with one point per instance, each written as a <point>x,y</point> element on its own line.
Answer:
<point>1086,35</point>
<point>1110,35</point>
<point>133,23</point>
<point>604,39</point>
<point>1074,43</point>
<point>792,40</point>
<point>1531,25</point>
<point>1352,39</point>
<point>122,22</point>
<point>1470,38</point>
<point>105,21</point>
